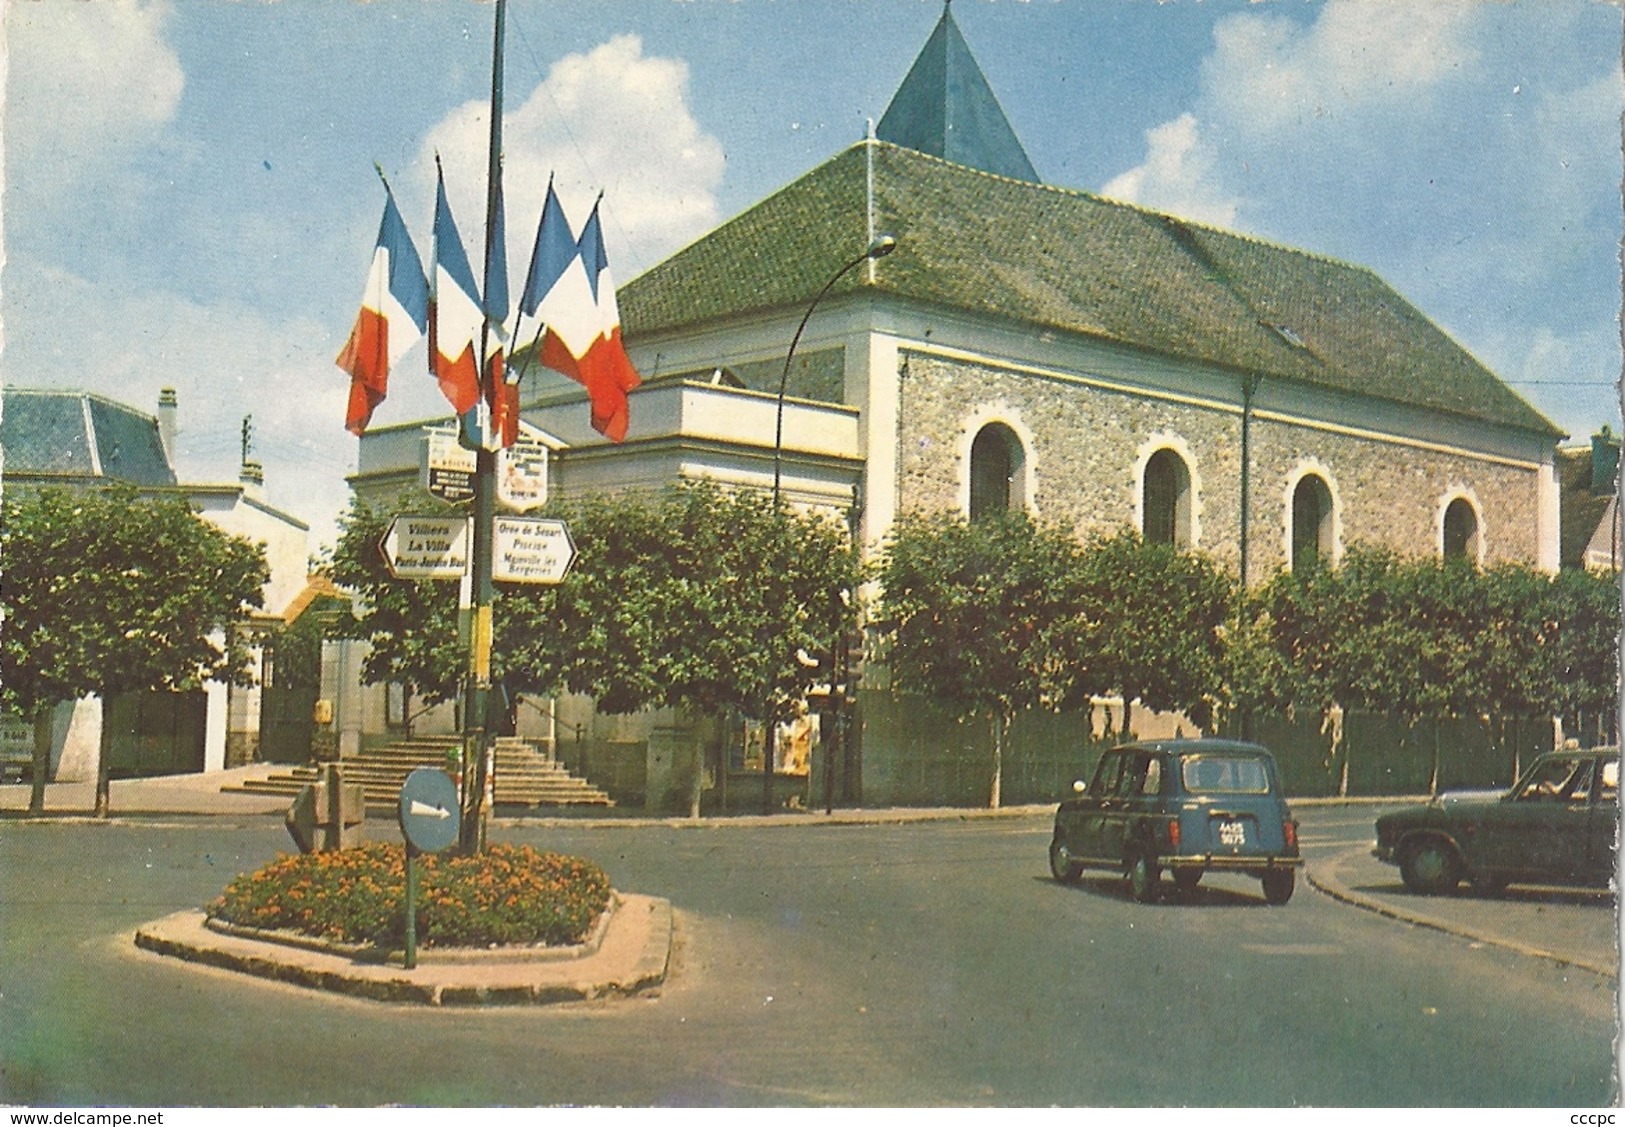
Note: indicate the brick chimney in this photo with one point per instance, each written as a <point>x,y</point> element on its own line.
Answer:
<point>252,477</point>
<point>1604,460</point>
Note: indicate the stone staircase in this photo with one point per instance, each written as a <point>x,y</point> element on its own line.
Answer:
<point>525,776</point>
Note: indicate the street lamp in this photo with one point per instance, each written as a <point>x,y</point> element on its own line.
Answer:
<point>879,247</point>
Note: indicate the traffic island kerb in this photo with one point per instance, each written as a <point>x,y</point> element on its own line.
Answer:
<point>629,954</point>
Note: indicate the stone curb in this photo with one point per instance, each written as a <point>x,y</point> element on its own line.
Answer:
<point>634,956</point>
<point>1330,886</point>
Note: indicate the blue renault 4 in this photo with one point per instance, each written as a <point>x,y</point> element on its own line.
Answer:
<point>1183,807</point>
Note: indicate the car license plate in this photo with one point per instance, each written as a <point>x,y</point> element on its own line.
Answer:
<point>1232,833</point>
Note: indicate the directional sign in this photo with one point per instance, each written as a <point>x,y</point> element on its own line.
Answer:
<point>531,550</point>
<point>427,547</point>
<point>429,812</point>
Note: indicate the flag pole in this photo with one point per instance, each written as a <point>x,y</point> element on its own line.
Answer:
<point>476,734</point>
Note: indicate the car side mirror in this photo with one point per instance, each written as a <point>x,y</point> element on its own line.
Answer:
<point>1079,786</point>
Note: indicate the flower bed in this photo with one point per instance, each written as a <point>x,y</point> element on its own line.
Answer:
<point>506,895</point>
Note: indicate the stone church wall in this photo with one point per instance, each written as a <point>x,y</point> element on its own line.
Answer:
<point>1086,447</point>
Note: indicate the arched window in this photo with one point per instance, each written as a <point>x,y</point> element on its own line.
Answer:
<point>1461,531</point>
<point>1165,509</point>
<point>996,462</point>
<point>1311,522</point>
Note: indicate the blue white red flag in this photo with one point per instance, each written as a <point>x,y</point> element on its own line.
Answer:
<point>455,313</point>
<point>584,330</point>
<point>553,254</point>
<point>394,314</point>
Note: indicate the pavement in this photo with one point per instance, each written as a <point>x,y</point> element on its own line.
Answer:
<point>631,953</point>
<point>1575,927</point>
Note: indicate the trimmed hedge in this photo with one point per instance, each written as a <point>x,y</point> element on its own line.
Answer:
<point>506,895</point>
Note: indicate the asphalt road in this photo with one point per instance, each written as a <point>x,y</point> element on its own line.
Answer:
<point>924,964</point>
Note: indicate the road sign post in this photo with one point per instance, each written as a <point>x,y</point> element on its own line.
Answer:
<point>429,817</point>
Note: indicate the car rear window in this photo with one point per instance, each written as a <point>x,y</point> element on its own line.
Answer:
<point>1232,774</point>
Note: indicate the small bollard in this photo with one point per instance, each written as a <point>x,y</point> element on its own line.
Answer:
<point>334,807</point>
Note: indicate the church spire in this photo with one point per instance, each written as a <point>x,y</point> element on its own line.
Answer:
<point>945,107</point>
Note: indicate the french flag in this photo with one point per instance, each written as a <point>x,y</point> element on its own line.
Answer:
<point>569,288</point>
<point>455,315</point>
<point>394,314</point>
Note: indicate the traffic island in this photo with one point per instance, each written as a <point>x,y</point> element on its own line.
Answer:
<point>628,953</point>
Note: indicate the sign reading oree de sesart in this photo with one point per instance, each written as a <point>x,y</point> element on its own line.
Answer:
<point>531,550</point>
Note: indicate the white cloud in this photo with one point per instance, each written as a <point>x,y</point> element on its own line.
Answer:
<point>1177,176</point>
<point>1467,152</point>
<point>224,362</point>
<point>89,85</point>
<point>612,112</point>
<point>1267,72</point>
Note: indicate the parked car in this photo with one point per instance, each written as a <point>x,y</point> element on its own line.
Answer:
<point>1555,826</point>
<point>1185,806</point>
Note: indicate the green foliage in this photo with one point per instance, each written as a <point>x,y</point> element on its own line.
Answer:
<point>411,624</point>
<point>1420,637</point>
<point>986,617</point>
<point>1006,614</point>
<point>701,598</point>
<point>109,592</point>
<point>696,597</point>
<point>1156,624</point>
<point>505,895</point>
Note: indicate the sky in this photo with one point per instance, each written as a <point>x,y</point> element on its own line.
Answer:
<point>191,201</point>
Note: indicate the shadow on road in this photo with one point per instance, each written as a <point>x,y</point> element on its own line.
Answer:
<point>1108,887</point>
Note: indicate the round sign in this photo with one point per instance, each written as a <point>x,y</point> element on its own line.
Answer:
<point>429,811</point>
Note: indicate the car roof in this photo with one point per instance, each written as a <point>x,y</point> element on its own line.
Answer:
<point>1193,747</point>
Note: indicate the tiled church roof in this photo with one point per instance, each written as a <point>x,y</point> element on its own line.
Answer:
<point>1073,262</point>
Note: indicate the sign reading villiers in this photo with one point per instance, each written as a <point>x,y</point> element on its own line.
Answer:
<point>531,550</point>
<point>427,547</point>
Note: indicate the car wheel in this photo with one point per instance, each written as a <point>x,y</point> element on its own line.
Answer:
<point>1144,876</point>
<point>1278,885</point>
<point>1061,865</point>
<point>1430,867</point>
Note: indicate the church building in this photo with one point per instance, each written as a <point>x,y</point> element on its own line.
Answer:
<point>974,340</point>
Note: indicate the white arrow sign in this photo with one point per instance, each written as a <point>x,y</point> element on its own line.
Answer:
<point>426,810</point>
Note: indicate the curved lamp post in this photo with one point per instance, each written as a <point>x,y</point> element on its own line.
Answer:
<point>879,248</point>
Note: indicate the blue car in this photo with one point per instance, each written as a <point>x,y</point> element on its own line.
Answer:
<point>1183,807</point>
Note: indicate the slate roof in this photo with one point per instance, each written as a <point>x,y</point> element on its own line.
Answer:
<point>1582,507</point>
<point>77,435</point>
<point>1070,261</point>
<point>945,107</point>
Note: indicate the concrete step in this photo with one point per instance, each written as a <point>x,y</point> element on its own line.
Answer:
<point>524,775</point>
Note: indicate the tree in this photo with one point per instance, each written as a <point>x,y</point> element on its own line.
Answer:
<point>107,592</point>
<point>697,597</point>
<point>986,617</point>
<point>1578,648</point>
<point>411,625</point>
<point>1156,625</point>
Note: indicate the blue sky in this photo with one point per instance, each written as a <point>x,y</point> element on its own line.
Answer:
<point>191,201</point>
